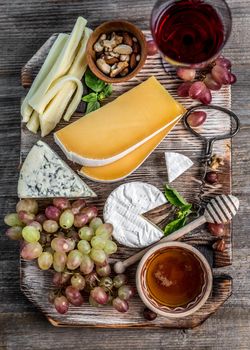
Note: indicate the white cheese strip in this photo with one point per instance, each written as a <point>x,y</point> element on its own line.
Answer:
<point>176,164</point>
<point>61,66</point>
<point>33,124</point>
<point>57,86</point>
<point>45,175</point>
<point>26,109</point>
<point>54,111</point>
<point>123,210</point>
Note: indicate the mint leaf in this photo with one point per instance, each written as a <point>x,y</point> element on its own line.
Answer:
<point>93,82</point>
<point>174,197</point>
<point>92,97</point>
<point>175,225</point>
<point>92,106</point>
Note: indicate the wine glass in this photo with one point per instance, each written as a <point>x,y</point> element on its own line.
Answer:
<point>190,33</point>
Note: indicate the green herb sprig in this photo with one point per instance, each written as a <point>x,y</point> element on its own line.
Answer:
<point>185,209</point>
<point>100,90</point>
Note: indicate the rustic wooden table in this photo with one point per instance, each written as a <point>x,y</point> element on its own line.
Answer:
<point>25,25</point>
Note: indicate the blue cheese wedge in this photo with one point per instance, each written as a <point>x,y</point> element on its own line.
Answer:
<point>44,175</point>
<point>176,164</point>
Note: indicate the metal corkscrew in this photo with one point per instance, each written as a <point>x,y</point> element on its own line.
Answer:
<point>208,143</point>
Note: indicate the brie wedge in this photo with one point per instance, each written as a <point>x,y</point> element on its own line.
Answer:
<point>123,209</point>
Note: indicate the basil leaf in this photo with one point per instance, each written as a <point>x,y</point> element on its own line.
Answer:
<point>175,225</point>
<point>92,106</point>
<point>107,90</point>
<point>185,210</point>
<point>174,197</point>
<point>93,82</point>
<point>92,97</point>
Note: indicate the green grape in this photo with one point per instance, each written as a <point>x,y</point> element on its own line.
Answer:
<point>105,230</point>
<point>45,260</point>
<point>74,259</point>
<point>95,223</point>
<point>98,255</point>
<point>125,292</point>
<point>30,234</point>
<point>84,246</point>
<point>66,219</point>
<point>86,233</point>
<point>12,220</point>
<point>78,281</point>
<point>31,251</point>
<point>110,247</point>
<point>98,242</point>
<point>87,265</point>
<point>59,261</point>
<point>119,280</point>
<point>50,226</point>
<point>106,283</point>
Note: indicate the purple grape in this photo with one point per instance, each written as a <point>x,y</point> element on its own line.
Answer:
<point>74,296</point>
<point>61,304</point>
<point>61,203</point>
<point>77,206</point>
<point>52,213</point>
<point>99,295</point>
<point>120,305</point>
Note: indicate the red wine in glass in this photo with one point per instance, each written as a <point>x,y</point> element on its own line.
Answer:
<point>190,32</point>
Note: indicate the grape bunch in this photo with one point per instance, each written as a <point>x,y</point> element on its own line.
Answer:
<point>71,240</point>
<point>212,78</point>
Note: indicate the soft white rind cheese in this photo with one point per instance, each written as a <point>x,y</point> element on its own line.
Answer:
<point>176,164</point>
<point>123,210</point>
<point>44,175</point>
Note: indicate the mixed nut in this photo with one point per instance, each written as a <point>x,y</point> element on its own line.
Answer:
<point>117,54</point>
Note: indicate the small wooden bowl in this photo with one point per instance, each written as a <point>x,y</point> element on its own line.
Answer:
<point>157,307</point>
<point>115,26</point>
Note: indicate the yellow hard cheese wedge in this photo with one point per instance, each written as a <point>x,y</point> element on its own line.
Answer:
<point>110,133</point>
<point>126,165</point>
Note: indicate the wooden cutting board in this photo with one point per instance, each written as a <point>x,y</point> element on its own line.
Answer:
<point>36,284</point>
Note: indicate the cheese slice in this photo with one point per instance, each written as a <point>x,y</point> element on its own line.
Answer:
<point>45,175</point>
<point>121,126</point>
<point>124,208</point>
<point>127,165</point>
<point>176,164</point>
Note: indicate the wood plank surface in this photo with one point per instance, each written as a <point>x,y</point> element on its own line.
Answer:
<point>25,25</point>
<point>153,171</point>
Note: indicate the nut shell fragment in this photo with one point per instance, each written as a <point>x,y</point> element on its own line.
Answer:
<point>103,66</point>
<point>123,49</point>
<point>120,67</point>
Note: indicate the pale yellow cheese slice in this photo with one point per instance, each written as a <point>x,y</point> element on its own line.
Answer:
<point>121,126</point>
<point>127,165</point>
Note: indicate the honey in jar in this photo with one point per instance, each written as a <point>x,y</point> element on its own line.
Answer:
<point>174,277</point>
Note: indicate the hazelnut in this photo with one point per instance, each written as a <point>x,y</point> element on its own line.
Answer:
<point>123,49</point>
<point>220,245</point>
<point>149,315</point>
<point>216,162</point>
<point>211,177</point>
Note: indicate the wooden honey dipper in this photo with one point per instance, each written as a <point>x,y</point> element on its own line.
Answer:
<point>219,210</point>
